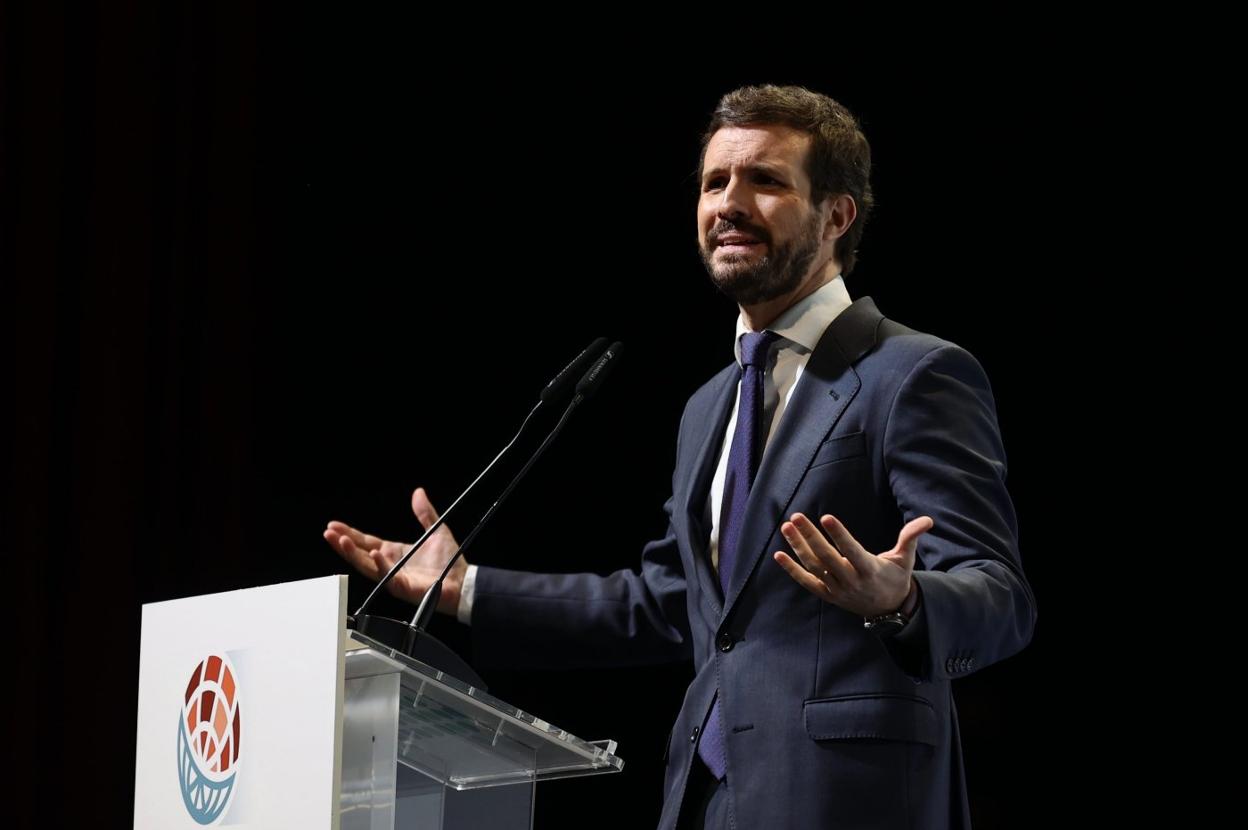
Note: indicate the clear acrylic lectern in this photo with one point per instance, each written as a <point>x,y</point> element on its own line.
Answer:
<point>422,749</point>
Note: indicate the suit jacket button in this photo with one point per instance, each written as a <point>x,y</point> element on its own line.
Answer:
<point>693,739</point>
<point>725,642</point>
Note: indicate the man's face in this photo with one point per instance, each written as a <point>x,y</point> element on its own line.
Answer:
<point>758,233</point>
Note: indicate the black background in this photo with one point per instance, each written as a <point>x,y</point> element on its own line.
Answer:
<point>270,270</point>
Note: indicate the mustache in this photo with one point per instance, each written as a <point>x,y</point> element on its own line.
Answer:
<point>724,227</point>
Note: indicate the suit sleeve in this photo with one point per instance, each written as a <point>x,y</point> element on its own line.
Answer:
<point>630,617</point>
<point>945,459</point>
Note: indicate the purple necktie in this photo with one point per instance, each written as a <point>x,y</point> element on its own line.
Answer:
<point>743,458</point>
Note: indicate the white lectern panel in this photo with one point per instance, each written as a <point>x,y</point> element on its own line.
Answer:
<point>240,694</point>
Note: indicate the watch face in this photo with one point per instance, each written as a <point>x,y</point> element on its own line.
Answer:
<point>886,625</point>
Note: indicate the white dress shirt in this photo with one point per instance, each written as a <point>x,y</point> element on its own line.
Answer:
<point>799,328</point>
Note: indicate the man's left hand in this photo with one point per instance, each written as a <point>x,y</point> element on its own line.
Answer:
<point>841,572</point>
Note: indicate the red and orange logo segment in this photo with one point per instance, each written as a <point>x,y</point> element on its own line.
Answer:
<point>213,721</point>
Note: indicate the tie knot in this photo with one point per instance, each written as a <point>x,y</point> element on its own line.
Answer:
<point>754,347</point>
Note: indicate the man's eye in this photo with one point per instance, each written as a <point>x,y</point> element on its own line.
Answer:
<point>713,184</point>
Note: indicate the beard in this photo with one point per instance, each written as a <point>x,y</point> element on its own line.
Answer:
<point>748,279</point>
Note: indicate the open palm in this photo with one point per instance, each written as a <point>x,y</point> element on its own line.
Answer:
<point>374,556</point>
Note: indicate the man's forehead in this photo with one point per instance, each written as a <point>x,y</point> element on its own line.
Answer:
<point>771,143</point>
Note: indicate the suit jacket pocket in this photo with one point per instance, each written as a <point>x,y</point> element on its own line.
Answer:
<point>840,447</point>
<point>885,717</point>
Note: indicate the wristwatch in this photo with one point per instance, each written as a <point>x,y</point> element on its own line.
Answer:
<point>887,625</point>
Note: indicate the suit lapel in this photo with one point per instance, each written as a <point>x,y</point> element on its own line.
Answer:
<point>712,421</point>
<point>827,386</point>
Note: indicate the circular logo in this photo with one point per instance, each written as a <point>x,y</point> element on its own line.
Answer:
<point>208,739</point>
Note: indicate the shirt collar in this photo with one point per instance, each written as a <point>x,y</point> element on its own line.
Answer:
<point>803,323</point>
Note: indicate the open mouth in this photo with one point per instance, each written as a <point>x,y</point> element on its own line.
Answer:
<point>738,243</point>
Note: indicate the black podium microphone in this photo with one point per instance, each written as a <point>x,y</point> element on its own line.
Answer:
<point>553,390</point>
<point>585,389</point>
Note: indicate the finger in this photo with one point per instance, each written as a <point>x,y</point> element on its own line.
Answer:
<point>381,562</point>
<point>363,556</point>
<point>348,547</point>
<point>333,538</point>
<point>862,561</point>
<point>808,560</point>
<point>423,508</point>
<point>827,557</point>
<point>361,539</point>
<point>801,549</point>
<point>333,532</point>
<point>802,576</point>
<point>359,558</point>
<point>385,560</point>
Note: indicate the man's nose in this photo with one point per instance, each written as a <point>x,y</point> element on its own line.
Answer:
<point>735,202</point>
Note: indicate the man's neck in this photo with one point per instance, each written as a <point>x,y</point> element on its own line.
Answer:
<point>760,315</point>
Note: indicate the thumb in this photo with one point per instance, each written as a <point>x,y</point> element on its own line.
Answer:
<point>423,508</point>
<point>908,540</point>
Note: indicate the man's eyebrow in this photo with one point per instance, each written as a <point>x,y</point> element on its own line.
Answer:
<point>756,167</point>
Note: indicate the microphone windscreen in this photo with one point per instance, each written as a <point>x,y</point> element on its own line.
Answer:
<point>598,372</point>
<point>573,370</point>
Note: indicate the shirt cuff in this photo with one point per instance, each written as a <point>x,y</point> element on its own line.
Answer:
<point>466,591</point>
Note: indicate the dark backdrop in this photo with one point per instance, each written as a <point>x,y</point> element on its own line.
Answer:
<point>267,271</point>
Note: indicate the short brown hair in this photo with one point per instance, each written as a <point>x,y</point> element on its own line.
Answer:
<point>840,157</point>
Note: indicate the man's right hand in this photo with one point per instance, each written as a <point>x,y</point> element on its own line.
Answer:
<point>374,557</point>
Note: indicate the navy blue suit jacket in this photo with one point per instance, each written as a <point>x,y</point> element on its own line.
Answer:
<point>826,724</point>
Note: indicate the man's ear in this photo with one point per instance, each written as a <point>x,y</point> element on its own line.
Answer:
<point>838,211</point>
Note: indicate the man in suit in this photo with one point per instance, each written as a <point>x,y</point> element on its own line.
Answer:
<point>841,543</point>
